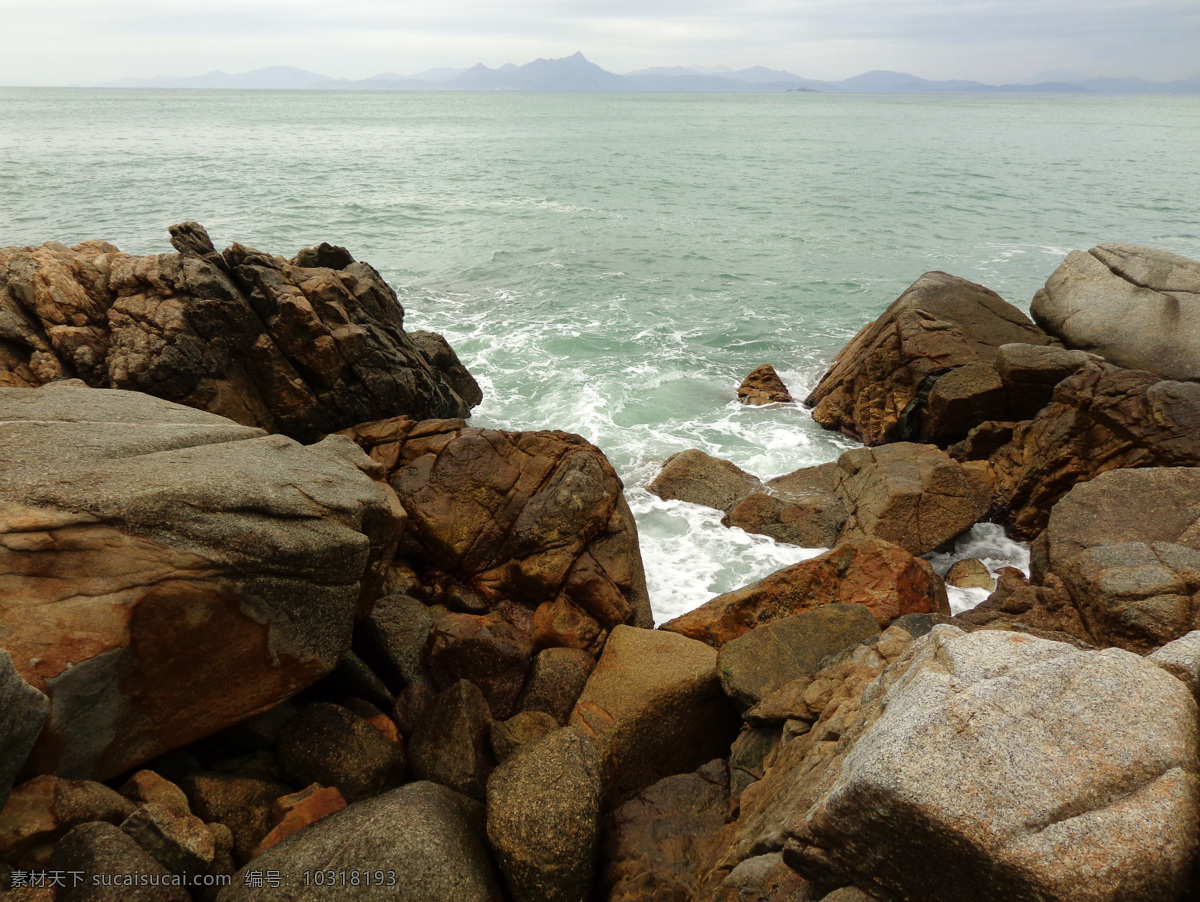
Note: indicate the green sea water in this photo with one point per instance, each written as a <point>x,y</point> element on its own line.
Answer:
<point>614,264</point>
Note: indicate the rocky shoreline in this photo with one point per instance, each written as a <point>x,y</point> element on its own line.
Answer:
<point>276,623</point>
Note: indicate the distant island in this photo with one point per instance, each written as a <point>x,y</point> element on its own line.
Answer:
<point>577,73</point>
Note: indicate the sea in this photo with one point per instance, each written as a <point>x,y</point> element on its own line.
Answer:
<point>614,264</point>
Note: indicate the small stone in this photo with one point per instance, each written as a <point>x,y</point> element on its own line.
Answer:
<point>178,840</point>
<point>763,386</point>
<point>970,574</point>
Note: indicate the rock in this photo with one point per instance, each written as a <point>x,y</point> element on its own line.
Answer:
<point>1102,418</point>
<point>439,853</point>
<point>699,478</point>
<point>176,839</point>
<point>1052,773</point>
<point>485,650</point>
<point>299,810</point>
<point>983,441</point>
<point>961,399</point>
<point>1091,298</point>
<point>149,788</point>
<point>766,878</point>
<point>655,844</point>
<point>202,571</point>
<point>848,894</point>
<point>41,810</point>
<point>392,639</point>
<point>410,706</point>
<point>915,496</point>
<point>353,675</point>
<point>871,572</point>
<point>450,744</point>
<point>376,718</point>
<point>518,518</point>
<point>755,664</point>
<point>1029,374</point>
<point>114,868</point>
<point>1040,610</point>
<point>970,574</point>
<point>879,386</point>
<point>555,681</point>
<point>332,746</point>
<point>543,817</point>
<point>748,756</point>
<point>654,707</point>
<point>1181,659</point>
<point>763,386</point>
<point>443,359</point>
<point>301,350</point>
<point>242,803</point>
<point>23,711</point>
<point>509,736</point>
<point>801,508</point>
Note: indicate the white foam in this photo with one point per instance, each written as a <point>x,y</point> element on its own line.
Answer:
<point>986,542</point>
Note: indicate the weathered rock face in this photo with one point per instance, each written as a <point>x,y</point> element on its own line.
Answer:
<point>100,850</point>
<point>528,519</point>
<point>997,766</point>
<point>881,576</point>
<point>23,711</point>
<point>431,838</point>
<point>169,573</point>
<point>801,508</point>
<point>1089,300</point>
<point>1029,374</point>
<point>763,386</point>
<point>332,746</point>
<point>654,707</point>
<point>1102,418</point>
<point>699,478</point>
<point>884,385</point>
<point>487,650</point>
<point>302,347</point>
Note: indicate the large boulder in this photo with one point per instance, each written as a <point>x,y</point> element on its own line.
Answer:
<point>521,519</point>
<point>450,744</point>
<point>302,347</point>
<point>997,766</point>
<point>699,478</point>
<point>170,573</point>
<point>882,577</point>
<point>1029,374</point>
<point>23,711</point>
<point>1091,298</point>
<point>654,707</point>
<point>426,842</point>
<point>884,385</point>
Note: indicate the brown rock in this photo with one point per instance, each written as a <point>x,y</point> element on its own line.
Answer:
<point>288,347</point>
<point>801,508</point>
<point>114,868</point>
<point>242,803</point>
<point>483,649</point>
<point>763,386</point>
<point>410,705</point>
<point>451,744</point>
<point>699,478</point>
<point>959,400</point>
<point>300,809</point>
<point>509,736</point>
<point>562,624</point>
<point>392,639</point>
<point>555,682</point>
<point>970,574</point>
<point>41,810</point>
<point>766,878</point>
<point>332,746</point>
<point>878,387</point>
<point>881,576</point>
<point>376,718</point>
<point>1044,610</point>
<point>177,839</point>
<point>653,706</point>
<point>149,788</point>
<point>202,571</point>
<point>1029,374</point>
<point>520,518</point>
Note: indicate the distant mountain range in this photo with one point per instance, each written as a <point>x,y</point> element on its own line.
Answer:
<point>576,73</point>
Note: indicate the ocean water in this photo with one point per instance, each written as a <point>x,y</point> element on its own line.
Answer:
<point>615,264</point>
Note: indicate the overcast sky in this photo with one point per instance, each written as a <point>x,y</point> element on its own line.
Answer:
<point>63,42</point>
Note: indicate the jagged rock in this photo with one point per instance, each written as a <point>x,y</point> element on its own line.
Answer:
<point>240,802</point>
<point>520,518</point>
<point>149,788</point>
<point>970,574</point>
<point>1051,773</point>
<point>655,844</point>
<point>763,386</point>
<point>759,662</point>
<point>177,839</point>
<point>332,746</point>
<point>881,576</point>
<point>292,813</point>
<point>801,508</point>
<point>41,810</point>
<point>301,347</point>
<point>451,745</point>
<point>543,817</point>
<point>1044,610</point>
<point>749,753</point>
<point>699,478</point>
<point>392,639</point>
<point>654,707</point>
<point>23,711</point>
<point>1102,418</point>
<point>429,837</point>
<point>555,681</point>
<point>878,388</point>
<point>1091,298</point>
<point>115,868</point>
<point>1029,374</point>
<point>202,571</point>
<point>485,650</point>
<point>510,736</point>
<point>446,363</point>
<point>961,399</point>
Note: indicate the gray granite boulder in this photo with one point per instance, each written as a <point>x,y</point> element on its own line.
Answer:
<point>23,710</point>
<point>114,868</point>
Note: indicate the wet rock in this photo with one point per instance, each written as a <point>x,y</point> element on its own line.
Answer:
<point>543,817</point>
<point>699,478</point>
<point>332,746</point>
<point>23,711</point>
<point>300,350</point>
<point>124,871</point>
<point>879,386</point>
<point>800,508</point>
<point>555,681</point>
<point>654,707</point>
<point>439,854</point>
<point>871,572</point>
<point>509,736</point>
<point>487,651</point>
<point>970,574</point>
<point>1089,300</point>
<point>202,570</point>
<point>446,363</point>
<point>41,810</point>
<point>755,664</point>
<point>763,386</point>
<point>451,745</point>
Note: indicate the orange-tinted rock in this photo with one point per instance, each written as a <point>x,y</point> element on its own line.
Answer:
<point>699,478</point>
<point>41,810</point>
<point>881,576</point>
<point>300,809</point>
<point>763,386</point>
<point>376,718</point>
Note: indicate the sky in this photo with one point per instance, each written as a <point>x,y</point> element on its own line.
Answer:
<point>81,42</point>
